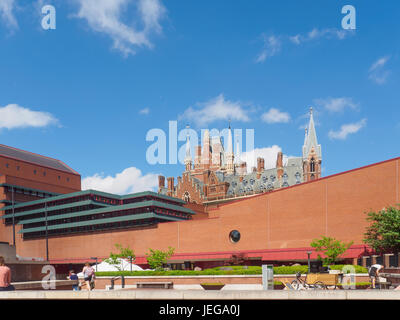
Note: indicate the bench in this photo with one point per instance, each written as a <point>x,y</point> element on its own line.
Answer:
<point>155,285</point>
<point>327,279</point>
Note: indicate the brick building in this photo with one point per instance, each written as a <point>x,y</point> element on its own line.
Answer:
<point>25,176</point>
<point>264,227</point>
<point>218,175</point>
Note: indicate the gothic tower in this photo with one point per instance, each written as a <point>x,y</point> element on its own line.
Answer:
<point>312,156</point>
<point>230,158</point>
<point>188,157</point>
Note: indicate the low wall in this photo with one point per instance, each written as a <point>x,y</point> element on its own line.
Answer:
<point>26,271</point>
<point>103,282</point>
<point>205,295</point>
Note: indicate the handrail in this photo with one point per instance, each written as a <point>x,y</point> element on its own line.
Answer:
<point>117,278</point>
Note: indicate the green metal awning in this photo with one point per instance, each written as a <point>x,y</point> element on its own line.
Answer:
<point>108,209</point>
<point>96,193</point>
<point>139,216</point>
<point>54,208</point>
<point>28,189</point>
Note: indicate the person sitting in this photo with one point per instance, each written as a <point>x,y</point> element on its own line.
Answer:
<point>5,276</point>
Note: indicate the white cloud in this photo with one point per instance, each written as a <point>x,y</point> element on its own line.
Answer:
<point>273,43</point>
<point>347,129</point>
<point>336,104</point>
<point>272,46</point>
<point>327,33</point>
<point>14,116</point>
<point>268,153</point>
<point>216,109</point>
<point>275,116</point>
<point>130,180</point>
<point>105,16</point>
<point>7,15</point>
<point>377,72</point>
<point>145,111</point>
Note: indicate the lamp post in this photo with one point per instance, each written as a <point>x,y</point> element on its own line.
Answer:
<point>47,232</point>
<point>130,260</point>
<point>94,258</point>
<point>13,213</point>
<point>309,264</point>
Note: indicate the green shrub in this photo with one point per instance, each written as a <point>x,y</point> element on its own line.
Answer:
<point>236,270</point>
<point>358,269</point>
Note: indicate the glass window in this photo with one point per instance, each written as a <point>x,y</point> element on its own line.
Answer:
<point>234,236</point>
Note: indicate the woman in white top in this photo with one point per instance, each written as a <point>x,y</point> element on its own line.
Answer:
<point>88,273</point>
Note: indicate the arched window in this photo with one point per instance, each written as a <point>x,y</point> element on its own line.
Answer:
<point>186,196</point>
<point>312,165</point>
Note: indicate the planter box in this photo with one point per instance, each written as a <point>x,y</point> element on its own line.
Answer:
<point>212,286</point>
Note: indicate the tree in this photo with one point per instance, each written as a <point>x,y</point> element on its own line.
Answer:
<point>156,258</point>
<point>383,234</point>
<point>115,259</point>
<point>331,248</point>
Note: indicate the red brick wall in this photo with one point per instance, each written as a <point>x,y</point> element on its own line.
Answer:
<point>53,181</point>
<point>287,218</point>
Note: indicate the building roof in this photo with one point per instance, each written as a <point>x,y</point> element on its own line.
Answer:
<point>177,201</point>
<point>33,158</point>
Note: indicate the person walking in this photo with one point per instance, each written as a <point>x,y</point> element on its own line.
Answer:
<point>5,276</point>
<point>88,274</point>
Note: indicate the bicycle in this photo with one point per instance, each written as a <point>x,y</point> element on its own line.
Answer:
<point>300,284</point>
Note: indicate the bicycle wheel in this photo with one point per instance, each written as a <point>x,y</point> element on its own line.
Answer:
<point>319,285</point>
<point>296,285</point>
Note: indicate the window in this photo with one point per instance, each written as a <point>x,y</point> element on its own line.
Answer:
<point>298,176</point>
<point>234,236</point>
<point>312,165</point>
<point>186,197</point>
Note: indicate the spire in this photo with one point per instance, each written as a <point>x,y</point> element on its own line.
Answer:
<point>206,153</point>
<point>229,149</point>
<point>310,140</point>
<point>230,166</point>
<point>188,157</point>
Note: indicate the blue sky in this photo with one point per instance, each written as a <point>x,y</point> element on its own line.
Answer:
<point>89,91</point>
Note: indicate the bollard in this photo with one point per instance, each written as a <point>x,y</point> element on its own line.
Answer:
<point>268,276</point>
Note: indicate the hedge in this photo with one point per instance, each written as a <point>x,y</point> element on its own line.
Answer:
<point>236,270</point>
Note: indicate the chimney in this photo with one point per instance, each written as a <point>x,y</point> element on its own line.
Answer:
<point>243,168</point>
<point>161,182</point>
<point>260,165</point>
<point>279,160</point>
<point>170,184</point>
<point>279,165</point>
<point>197,159</point>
